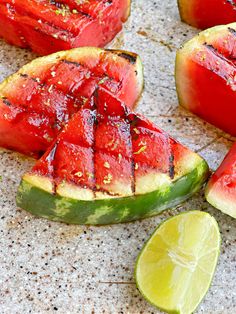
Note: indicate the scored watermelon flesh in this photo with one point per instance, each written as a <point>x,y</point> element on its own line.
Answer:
<point>210,88</point>
<point>57,93</point>
<point>204,14</point>
<point>105,156</point>
<point>47,27</point>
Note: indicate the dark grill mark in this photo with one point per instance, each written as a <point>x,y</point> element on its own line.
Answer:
<point>52,165</point>
<point>24,75</point>
<point>77,64</point>
<point>232,31</point>
<point>94,99</point>
<point>172,167</point>
<point>232,2</point>
<point>66,33</point>
<point>133,179</point>
<point>108,192</point>
<point>80,65</point>
<point>131,58</point>
<point>217,53</point>
<point>6,102</point>
<point>61,5</point>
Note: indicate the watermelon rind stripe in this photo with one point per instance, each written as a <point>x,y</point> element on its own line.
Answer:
<point>112,210</point>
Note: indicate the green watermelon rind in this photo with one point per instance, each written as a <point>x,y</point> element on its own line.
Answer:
<point>220,200</point>
<point>111,210</point>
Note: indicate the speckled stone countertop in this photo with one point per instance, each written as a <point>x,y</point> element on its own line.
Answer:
<point>48,267</point>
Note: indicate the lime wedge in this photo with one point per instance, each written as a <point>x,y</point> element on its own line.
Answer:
<point>175,268</point>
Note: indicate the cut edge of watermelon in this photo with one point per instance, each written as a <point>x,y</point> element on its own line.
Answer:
<point>182,58</point>
<point>216,197</point>
<point>112,209</point>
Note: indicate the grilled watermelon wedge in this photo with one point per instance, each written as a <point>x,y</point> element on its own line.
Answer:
<point>110,165</point>
<point>221,189</point>
<point>37,101</point>
<point>206,76</point>
<point>207,13</point>
<point>50,26</point>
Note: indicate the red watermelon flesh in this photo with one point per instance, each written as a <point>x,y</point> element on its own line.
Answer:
<point>206,76</point>
<point>207,13</point>
<point>101,149</point>
<point>221,189</point>
<point>55,87</point>
<point>50,26</point>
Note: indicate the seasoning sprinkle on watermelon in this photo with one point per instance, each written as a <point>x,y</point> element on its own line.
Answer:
<point>37,101</point>
<point>110,165</point>
<point>206,76</point>
<point>221,189</point>
<point>50,26</point>
<point>207,13</point>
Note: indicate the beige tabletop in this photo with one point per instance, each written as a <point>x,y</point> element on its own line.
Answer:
<point>48,267</point>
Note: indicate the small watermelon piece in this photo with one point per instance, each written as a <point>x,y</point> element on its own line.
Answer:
<point>51,26</point>
<point>207,13</point>
<point>110,165</point>
<point>37,101</point>
<point>221,189</point>
<point>206,76</point>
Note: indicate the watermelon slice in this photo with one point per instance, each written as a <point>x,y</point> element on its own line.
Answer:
<point>206,76</point>
<point>207,13</point>
<point>110,165</point>
<point>51,26</point>
<point>37,101</point>
<point>221,189</point>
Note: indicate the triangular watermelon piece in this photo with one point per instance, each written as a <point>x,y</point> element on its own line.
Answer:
<point>37,101</point>
<point>206,76</point>
<point>110,165</point>
<point>221,189</point>
<point>51,26</point>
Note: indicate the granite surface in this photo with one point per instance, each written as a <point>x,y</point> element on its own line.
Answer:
<point>48,267</point>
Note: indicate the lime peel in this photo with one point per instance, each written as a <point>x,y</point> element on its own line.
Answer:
<point>175,267</point>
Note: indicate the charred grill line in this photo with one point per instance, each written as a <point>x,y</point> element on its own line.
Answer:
<point>61,5</point>
<point>57,5</point>
<point>41,31</point>
<point>77,64</point>
<point>52,161</point>
<point>107,192</point>
<point>217,53</point>
<point>132,122</point>
<point>232,2</point>
<point>130,58</point>
<point>171,163</point>
<point>71,62</point>
<point>6,101</point>
<point>232,31</point>
<point>94,98</point>
<point>133,182</point>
